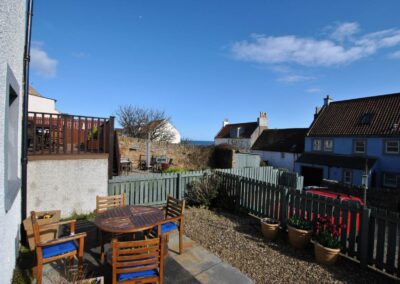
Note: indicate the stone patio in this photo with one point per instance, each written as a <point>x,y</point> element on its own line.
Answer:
<point>195,265</point>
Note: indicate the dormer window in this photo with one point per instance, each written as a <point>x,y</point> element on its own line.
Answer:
<point>366,118</point>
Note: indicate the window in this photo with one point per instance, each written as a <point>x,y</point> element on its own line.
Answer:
<point>392,146</point>
<point>347,176</point>
<point>359,146</point>
<point>366,118</point>
<point>317,144</point>
<point>328,145</point>
<point>389,180</point>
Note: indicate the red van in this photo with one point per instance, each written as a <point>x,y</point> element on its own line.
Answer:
<point>344,198</point>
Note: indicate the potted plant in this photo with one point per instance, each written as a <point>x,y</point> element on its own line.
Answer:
<point>327,240</point>
<point>299,231</point>
<point>270,228</point>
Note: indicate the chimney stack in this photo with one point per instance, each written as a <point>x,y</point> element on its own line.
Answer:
<point>225,122</point>
<point>327,100</point>
<point>262,119</point>
<point>317,110</point>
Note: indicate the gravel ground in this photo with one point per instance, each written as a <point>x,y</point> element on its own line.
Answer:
<point>238,241</point>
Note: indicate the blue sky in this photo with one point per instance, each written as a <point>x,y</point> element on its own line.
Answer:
<point>203,61</point>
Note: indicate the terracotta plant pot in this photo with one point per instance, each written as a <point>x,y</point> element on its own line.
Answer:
<point>298,238</point>
<point>269,228</point>
<point>324,255</point>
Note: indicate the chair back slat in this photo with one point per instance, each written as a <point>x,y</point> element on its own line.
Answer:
<point>136,256</point>
<point>175,207</point>
<point>104,203</point>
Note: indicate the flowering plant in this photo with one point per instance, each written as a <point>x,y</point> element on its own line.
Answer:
<point>299,223</point>
<point>327,233</point>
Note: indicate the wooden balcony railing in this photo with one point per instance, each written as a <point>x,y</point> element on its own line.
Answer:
<point>52,134</point>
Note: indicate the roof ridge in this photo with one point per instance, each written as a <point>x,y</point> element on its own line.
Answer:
<point>366,98</point>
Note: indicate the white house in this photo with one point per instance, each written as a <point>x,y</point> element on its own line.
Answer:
<point>39,103</point>
<point>280,148</point>
<point>241,135</point>
<point>164,130</point>
<point>12,41</point>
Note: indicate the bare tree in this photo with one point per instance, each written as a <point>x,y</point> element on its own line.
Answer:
<point>140,122</point>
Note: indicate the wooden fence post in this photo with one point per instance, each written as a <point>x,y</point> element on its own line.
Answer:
<point>178,186</point>
<point>237,193</point>
<point>363,235</point>
<point>284,206</point>
<point>111,147</point>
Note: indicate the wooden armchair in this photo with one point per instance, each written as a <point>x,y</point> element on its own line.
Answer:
<point>104,203</point>
<point>137,261</point>
<point>174,219</point>
<point>64,247</point>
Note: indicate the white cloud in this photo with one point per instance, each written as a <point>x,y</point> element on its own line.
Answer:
<point>291,49</point>
<point>395,55</point>
<point>294,78</point>
<point>345,31</point>
<point>314,90</point>
<point>41,63</point>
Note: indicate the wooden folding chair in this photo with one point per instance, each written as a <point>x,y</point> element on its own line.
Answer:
<point>104,203</point>
<point>174,219</point>
<point>137,261</point>
<point>64,247</point>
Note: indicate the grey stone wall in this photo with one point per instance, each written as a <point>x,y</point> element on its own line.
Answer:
<point>70,185</point>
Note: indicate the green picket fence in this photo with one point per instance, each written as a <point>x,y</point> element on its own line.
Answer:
<point>268,174</point>
<point>371,237</point>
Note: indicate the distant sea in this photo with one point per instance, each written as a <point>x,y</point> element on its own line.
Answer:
<point>201,142</point>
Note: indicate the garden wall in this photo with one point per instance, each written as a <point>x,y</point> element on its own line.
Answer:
<point>190,157</point>
<point>66,182</point>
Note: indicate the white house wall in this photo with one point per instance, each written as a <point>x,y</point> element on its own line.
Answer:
<point>41,104</point>
<point>12,39</point>
<point>276,160</point>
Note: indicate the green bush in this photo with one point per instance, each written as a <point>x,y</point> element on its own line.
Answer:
<point>174,170</point>
<point>299,223</point>
<point>204,191</point>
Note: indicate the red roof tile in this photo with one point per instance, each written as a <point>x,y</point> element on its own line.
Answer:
<point>369,116</point>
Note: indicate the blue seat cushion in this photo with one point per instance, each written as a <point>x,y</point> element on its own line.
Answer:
<point>58,249</point>
<point>166,228</point>
<point>137,274</point>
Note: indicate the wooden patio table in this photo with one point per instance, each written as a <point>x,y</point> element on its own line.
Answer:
<point>128,219</point>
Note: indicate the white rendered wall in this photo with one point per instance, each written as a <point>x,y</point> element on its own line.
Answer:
<point>68,185</point>
<point>41,104</point>
<point>12,40</point>
<point>241,143</point>
<point>275,159</point>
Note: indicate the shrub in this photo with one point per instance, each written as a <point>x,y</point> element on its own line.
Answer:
<point>203,191</point>
<point>299,223</point>
<point>327,233</point>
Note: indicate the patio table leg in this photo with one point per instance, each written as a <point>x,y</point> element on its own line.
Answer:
<point>101,247</point>
<point>166,239</point>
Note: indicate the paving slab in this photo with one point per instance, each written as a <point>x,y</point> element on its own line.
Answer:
<point>223,273</point>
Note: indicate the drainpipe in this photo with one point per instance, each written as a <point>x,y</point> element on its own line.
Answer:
<point>24,158</point>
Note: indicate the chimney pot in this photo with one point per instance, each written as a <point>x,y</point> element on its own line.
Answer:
<point>262,119</point>
<point>225,122</point>
<point>327,100</point>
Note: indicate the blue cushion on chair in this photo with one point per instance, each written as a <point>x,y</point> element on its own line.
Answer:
<point>132,275</point>
<point>166,228</point>
<point>58,249</point>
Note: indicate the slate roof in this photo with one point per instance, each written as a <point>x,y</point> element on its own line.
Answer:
<point>369,116</point>
<point>34,92</point>
<point>340,161</point>
<point>248,129</point>
<point>289,140</point>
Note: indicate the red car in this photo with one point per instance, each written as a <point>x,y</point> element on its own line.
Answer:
<point>344,198</point>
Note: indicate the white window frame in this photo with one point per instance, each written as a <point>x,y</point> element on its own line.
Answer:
<point>392,152</point>
<point>345,181</point>
<point>391,185</point>
<point>320,144</point>
<point>331,144</point>
<point>355,146</point>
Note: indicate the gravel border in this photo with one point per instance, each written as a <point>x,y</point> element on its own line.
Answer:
<point>238,241</point>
